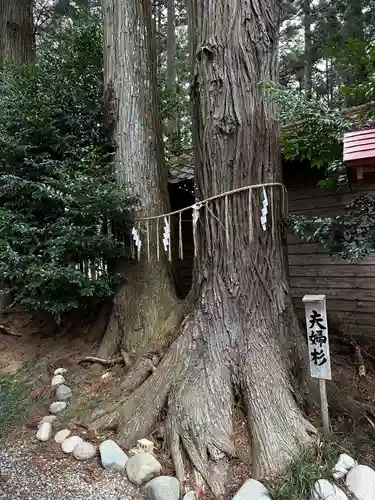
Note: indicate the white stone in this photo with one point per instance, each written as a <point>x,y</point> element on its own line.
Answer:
<point>142,468</point>
<point>84,451</point>
<point>324,490</point>
<point>60,371</point>
<point>190,495</point>
<point>339,472</point>
<point>343,465</point>
<point>49,418</point>
<point>253,490</point>
<point>163,488</point>
<point>134,451</point>
<point>44,431</point>
<point>145,446</point>
<point>61,436</point>
<point>57,406</point>
<point>361,481</point>
<point>57,380</point>
<point>112,456</point>
<point>70,443</point>
<point>63,392</point>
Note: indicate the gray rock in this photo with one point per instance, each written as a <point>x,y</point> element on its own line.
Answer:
<point>84,451</point>
<point>324,490</point>
<point>60,371</point>
<point>49,418</point>
<point>44,431</point>
<point>63,392</point>
<point>57,406</point>
<point>253,490</point>
<point>163,488</point>
<point>57,380</point>
<point>142,468</point>
<point>70,443</point>
<point>61,436</point>
<point>190,495</point>
<point>361,481</point>
<point>112,456</point>
<point>343,465</point>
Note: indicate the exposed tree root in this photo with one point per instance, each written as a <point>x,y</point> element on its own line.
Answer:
<point>9,331</point>
<point>126,357</point>
<point>104,418</point>
<point>278,428</point>
<point>94,359</point>
<point>197,381</point>
<point>139,412</point>
<point>137,375</point>
<point>209,363</point>
<point>344,404</point>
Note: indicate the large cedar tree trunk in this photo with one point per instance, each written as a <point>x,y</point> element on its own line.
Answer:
<point>17,36</point>
<point>241,341</point>
<point>146,300</point>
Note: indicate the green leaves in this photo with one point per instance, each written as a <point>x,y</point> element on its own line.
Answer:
<point>365,90</point>
<point>350,236</point>
<point>311,130</point>
<point>57,187</point>
<point>315,133</point>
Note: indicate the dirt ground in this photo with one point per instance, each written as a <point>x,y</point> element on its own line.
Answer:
<point>44,345</point>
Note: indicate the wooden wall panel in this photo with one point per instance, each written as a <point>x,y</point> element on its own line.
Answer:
<point>350,288</point>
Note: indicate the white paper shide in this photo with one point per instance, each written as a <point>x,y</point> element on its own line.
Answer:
<point>263,219</point>
<point>137,241</point>
<point>166,234</point>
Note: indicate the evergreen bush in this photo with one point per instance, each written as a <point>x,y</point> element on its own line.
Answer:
<point>57,186</point>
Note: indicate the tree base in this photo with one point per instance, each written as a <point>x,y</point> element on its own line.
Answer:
<point>203,372</point>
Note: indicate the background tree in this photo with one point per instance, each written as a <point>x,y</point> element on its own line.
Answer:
<point>324,44</point>
<point>51,16</point>
<point>142,306</point>
<point>307,21</point>
<point>172,57</point>
<point>171,63</point>
<point>17,37</point>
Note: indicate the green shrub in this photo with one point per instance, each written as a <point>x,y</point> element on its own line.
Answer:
<point>57,187</point>
<point>315,133</point>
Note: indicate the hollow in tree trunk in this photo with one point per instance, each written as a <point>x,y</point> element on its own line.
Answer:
<point>241,340</point>
<point>17,35</point>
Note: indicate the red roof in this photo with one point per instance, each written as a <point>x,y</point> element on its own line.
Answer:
<point>359,148</point>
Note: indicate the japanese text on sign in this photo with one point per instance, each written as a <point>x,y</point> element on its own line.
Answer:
<point>317,336</point>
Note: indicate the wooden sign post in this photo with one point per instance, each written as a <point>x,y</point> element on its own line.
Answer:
<point>318,345</point>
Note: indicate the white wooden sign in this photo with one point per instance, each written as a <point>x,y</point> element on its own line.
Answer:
<point>317,336</point>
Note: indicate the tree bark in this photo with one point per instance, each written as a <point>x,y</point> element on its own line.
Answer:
<point>354,32</point>
<point>171,63</point>
<point>308,45</point>
<point>17,36</point>
<point>145,302</point>
<point>241,341</point>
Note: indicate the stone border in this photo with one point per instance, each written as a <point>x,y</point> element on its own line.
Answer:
<point>142,468</point>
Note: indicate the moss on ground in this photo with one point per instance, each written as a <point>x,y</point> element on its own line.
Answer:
<point>17,399</point>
